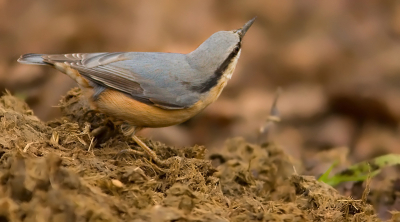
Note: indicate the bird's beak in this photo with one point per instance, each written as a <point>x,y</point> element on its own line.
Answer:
<point>242,31</point>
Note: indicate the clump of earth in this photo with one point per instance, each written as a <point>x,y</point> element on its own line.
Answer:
<point>79,168</point>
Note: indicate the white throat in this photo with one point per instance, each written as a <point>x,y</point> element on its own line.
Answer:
<point>229,71</point>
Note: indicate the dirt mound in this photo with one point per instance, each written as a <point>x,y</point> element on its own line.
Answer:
<point>48,173</point>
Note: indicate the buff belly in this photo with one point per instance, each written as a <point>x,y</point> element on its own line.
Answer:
<point>123,107</point>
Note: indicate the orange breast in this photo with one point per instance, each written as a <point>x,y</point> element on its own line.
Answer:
<point>121,106</point>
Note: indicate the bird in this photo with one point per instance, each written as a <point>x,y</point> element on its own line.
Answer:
<point>151,89</point>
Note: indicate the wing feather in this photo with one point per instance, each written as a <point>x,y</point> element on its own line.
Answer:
<point>123,72</point>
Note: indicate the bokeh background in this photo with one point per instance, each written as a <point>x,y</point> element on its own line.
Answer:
<point>337,63</point>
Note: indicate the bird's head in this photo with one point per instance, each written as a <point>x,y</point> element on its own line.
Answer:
<point>221,48</point>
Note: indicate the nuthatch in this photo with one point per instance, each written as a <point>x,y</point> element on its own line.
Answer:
<point>151,89</point>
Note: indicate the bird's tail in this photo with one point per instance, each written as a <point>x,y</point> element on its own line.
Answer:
<point>35,59</point>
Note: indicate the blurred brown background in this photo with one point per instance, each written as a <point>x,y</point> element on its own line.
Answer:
<point>336,61</point>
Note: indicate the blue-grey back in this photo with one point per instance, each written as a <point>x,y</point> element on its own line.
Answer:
<point>165,77</point>
<point>167,80</point>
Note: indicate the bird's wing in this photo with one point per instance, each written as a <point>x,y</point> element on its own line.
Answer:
<point>147,77</point>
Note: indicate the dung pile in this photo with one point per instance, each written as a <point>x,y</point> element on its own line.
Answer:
<point>58,171</point>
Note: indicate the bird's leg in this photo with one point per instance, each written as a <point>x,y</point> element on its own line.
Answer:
<point>129,130</point>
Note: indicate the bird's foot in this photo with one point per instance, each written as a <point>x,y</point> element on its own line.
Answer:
<point>103,132</point>
<point>128,130</point>
<point>150,153</point>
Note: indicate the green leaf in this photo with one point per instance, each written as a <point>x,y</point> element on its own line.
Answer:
<point>360,171</point>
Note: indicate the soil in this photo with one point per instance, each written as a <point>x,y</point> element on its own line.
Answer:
<point>58,171</point>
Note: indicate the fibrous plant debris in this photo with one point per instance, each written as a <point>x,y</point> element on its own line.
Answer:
<point>48,174</point>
